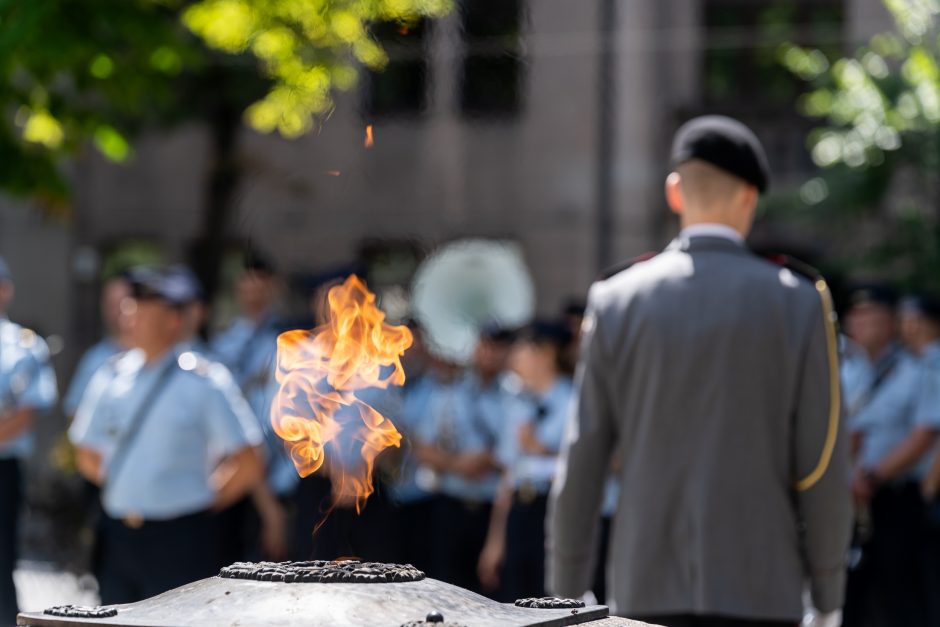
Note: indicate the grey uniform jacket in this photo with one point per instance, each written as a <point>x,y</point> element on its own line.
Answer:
<point>713,375</point>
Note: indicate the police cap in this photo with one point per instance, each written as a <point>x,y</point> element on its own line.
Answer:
<point>873,294</point>
<point>545,332</point>
<point>165,284</point>
<point>497,333</point>
<point>724,143</point>
<point>925,305</point>
<point>188,282</point>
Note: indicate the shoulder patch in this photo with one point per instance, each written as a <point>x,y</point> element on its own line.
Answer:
<point>27,337</point>
<point>624,265</point>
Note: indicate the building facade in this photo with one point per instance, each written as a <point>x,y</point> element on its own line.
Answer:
<point>545,122</point>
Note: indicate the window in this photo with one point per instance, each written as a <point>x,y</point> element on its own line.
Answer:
<point>492,70</point>
<point>743,41</point>
<point>743,75</point>
<point>400,89</point>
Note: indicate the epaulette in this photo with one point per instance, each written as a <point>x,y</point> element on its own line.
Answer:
<point>624,265</point>
<point>795,265</point>
<point>816,278</point>
<point>194,362</point>
<point>27,337</point>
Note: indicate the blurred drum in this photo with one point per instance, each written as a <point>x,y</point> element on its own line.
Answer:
<point>468,284</point>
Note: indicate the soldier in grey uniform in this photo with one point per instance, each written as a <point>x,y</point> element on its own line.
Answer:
<point>714,374</point>
<point>170,439</point>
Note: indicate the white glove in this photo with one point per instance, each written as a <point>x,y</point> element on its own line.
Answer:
<point>812,618</point>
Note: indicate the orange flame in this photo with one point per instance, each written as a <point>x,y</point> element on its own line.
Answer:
<point>318,372</point>
<point>369,139</point>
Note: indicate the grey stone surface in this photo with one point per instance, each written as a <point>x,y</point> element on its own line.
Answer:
<point>217,601</point>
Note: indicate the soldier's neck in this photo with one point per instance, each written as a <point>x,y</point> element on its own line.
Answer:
<point>736,220</point>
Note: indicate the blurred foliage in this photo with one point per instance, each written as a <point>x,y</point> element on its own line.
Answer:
<point>80,72</point>
<point>879,145</point>
<point>741,61</point>
<point>888,89</point>
<point>307,47</point>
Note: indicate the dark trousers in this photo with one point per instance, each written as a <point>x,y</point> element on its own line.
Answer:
<point>458,535</point>
<point>524,567</point>
<point>930,556</point>
<point>10,486</point>
<point>413,524</point>
<point>600,569</point>
<point>688,620</point>
<point>239,528</point>
<point>139,563</point>
<point>887,588</point>
<point>326,533</point>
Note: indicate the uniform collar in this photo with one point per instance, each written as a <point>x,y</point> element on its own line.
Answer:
<point>932,351</point>
<point>703,242</point>
<point>712,229</point>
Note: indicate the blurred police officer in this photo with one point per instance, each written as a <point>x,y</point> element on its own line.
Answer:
<point>466,423</point>
<point>513,557</point>
<point>248,347</point>
<point>920,325</point>
<point>870,350</point>
<point>413,503</point>
<point>170,439</point>
<point>715,374</point>
<point>114,293</point>
<point>27,387</point>
<point>196,312</point>
<point>894,424</point>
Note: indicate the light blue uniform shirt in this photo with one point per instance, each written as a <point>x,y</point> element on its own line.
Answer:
<point>469,417</point>
<point>415,420</point>
<point>197,418</point>
<point>611,497</point>
<point>857,373</point>
<point>927,413</point>
<point>91,361</point>
<point>26,381</point>
<point>550,413</point>
<point>249,351</point>
<point>892,412</point>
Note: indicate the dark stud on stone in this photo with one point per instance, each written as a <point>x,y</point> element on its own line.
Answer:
<point>434,617</point>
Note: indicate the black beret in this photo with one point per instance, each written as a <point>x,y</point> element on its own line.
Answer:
<point>873,294</point>
<point>922,304</point>
<point>725,143</point>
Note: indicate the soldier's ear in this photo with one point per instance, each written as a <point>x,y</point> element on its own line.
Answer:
<point>749,196</point>
<point>674,193</point>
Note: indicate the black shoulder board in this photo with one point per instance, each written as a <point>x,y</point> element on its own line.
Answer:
<point>795,265</point>
<point>624,265</point>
